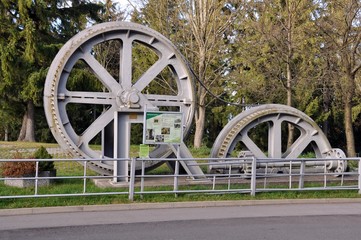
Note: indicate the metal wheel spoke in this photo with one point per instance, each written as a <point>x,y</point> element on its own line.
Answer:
<point>151,73</point>
<point>167,100</point>
<point>96,126</point>
<point>233,144</point>
<point>296,149</point>
<point>275,138</point>
<point>257,152</point>
<point>126,63</point>
<point>102,74</point>
<point>88,97</point>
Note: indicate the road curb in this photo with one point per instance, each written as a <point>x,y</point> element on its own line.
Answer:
<point>142,206</point>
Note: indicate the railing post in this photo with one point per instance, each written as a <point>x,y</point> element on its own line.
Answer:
<point>142,180</point>
<point>84,175</point>
<point>265,176</point>
<point>36,177</point>
<point>229,176</point>
<point>290,176</point>
<point>253,176</point>
<point>132,179</point>
<point>302,173</point>
<point>214,182</point>
<point>325,175</point>
<point>359,175</point>
<point>176,173</point>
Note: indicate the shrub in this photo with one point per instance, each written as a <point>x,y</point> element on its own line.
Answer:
<point>18,169</point>
<point>42,153</point>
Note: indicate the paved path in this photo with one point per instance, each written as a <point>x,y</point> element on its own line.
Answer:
<point>153,212</point>
<point>256,228</point>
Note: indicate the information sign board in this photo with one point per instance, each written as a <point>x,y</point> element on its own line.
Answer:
<point>163,128</point>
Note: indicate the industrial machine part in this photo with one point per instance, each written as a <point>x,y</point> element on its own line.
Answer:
<point>123,95</point>
<point>238,138</point>
<point>148,73</point>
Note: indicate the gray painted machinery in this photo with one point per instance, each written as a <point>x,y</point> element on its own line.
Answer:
<point>126,92</point>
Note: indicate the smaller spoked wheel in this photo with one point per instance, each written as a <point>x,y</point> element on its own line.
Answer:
<point>262,132</point>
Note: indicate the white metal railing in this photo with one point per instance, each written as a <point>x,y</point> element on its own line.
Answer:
<point>249,183</point>
<point>34,180</point>
<point>259,178</point>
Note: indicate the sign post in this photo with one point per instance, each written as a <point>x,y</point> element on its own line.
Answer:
<point>165,128</point>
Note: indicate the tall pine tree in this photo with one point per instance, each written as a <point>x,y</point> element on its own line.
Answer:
<point>31,32</point>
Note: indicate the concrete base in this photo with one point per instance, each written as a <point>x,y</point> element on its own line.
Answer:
<point>23,183</point>
<point>104,183</point>
<point>20,183</point>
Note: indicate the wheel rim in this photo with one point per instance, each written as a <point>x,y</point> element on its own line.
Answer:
<point>125,95</point>
<point>238,129</point>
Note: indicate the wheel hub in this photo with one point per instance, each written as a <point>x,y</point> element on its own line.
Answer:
<point>128,99</point>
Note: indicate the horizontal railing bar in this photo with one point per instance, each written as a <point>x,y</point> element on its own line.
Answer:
<point>60,177</point>
<point>193,191</point>
<point>65,195</point>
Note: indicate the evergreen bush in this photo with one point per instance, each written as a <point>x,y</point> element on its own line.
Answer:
<point>42,153</point>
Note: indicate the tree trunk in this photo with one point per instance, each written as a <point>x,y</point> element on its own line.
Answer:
<point>291,128</point>
<point>6,136</point>
<point>200,117</point>
<point>326,106</point>
<point>350,139</point>
<point>27,132</point>
<point>201,108</point>
<point>289,86</point>
<point>23,127</point>
<point>30,123</point>
<point>200,121</point>
<point>349,91</point>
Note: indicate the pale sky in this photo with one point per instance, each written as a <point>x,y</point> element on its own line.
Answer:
<point>127,5</point>
<point>121,2</point>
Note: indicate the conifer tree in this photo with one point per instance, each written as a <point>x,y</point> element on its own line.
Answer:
<point>31,33</point>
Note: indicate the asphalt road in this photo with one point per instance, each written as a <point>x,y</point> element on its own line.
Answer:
<point>297,220</point>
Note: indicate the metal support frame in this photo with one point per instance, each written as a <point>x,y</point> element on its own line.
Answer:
<point>121,146</point>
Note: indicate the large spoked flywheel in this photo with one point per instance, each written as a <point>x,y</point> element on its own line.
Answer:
<point>108,74</point>
<point>262,132</point>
